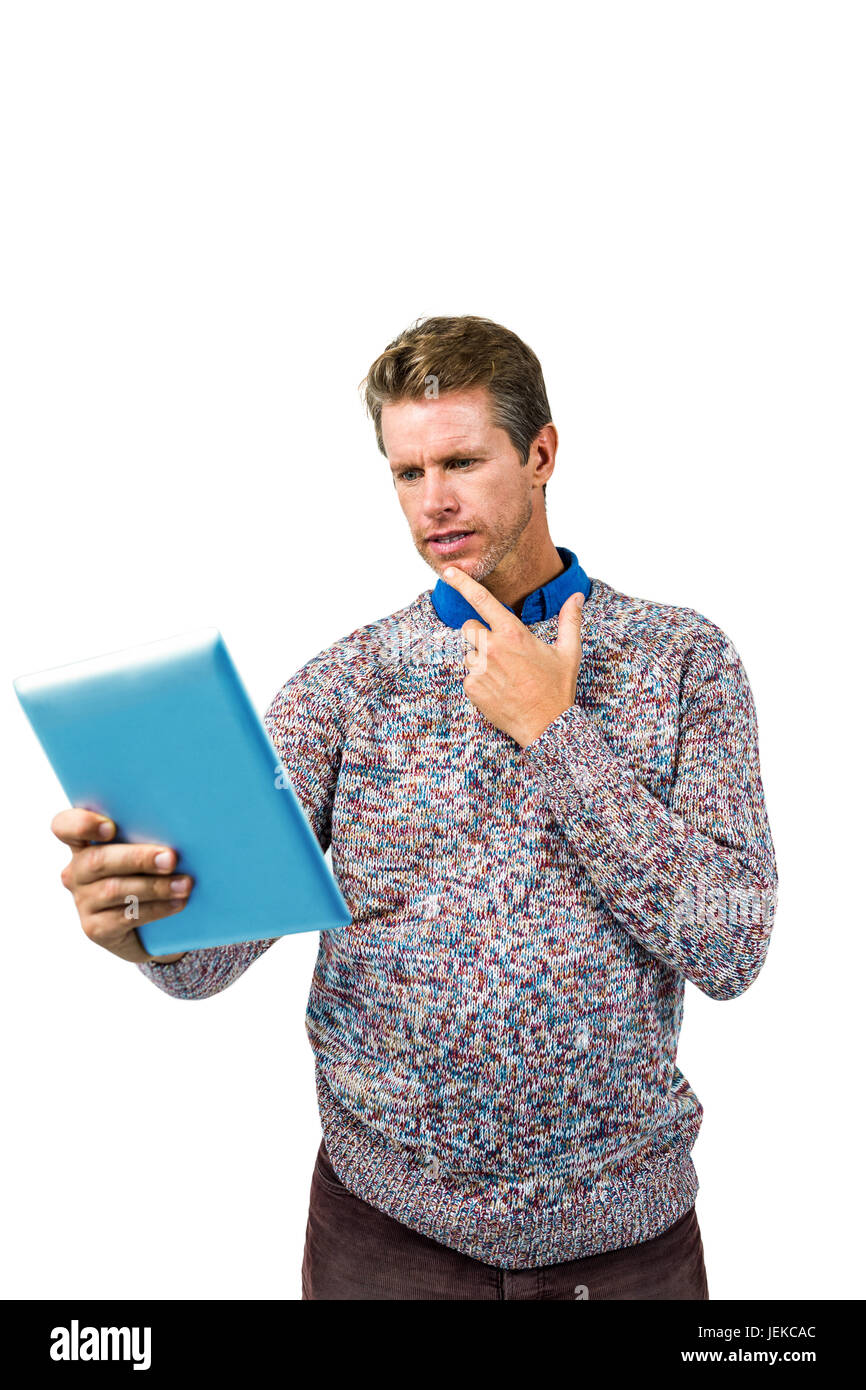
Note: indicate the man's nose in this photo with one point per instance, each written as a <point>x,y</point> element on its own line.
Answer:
<point>438,495</point>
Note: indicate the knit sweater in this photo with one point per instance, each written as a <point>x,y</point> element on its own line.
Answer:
<point>495,1035</point>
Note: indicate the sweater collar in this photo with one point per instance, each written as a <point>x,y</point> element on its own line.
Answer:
<point>542,603</point>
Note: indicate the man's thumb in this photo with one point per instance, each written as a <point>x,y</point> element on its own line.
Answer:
<point>570,622</point>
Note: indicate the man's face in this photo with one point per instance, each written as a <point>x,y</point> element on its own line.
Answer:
<point>458,475</point>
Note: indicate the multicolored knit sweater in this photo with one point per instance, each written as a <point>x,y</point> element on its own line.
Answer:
<point>495,1036</point>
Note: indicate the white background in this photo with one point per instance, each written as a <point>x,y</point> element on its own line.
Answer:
<point>215,217</point>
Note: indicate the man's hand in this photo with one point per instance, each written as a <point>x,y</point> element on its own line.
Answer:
<point>116,887</point>
<point>518,682</point>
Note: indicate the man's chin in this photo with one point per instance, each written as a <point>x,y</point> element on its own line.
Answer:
<point>473,567</point>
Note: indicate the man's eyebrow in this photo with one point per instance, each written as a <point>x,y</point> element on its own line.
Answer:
<point>455,457</point>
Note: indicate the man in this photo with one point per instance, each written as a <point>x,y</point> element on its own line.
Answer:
<point>544,804</point>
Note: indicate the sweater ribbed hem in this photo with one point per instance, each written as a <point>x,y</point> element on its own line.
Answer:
<point>491,1227</point>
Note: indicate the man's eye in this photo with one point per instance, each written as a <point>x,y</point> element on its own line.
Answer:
<point>455,462</point>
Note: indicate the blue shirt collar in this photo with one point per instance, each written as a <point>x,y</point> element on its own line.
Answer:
<point>455,610</point>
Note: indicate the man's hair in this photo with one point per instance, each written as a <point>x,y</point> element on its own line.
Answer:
<point>435,355</point>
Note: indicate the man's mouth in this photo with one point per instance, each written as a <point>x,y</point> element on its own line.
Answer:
<point>445,542</point>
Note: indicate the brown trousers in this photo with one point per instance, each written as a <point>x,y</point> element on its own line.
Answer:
<point>355,1251</point>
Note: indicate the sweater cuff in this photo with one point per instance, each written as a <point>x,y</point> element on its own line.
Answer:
<point>179,978</point>
<point>571,754</point>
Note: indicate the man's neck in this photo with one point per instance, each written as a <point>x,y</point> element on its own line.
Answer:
<point>529,575</point>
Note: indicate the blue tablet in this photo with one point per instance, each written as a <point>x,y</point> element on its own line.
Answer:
<point>163,739</point>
